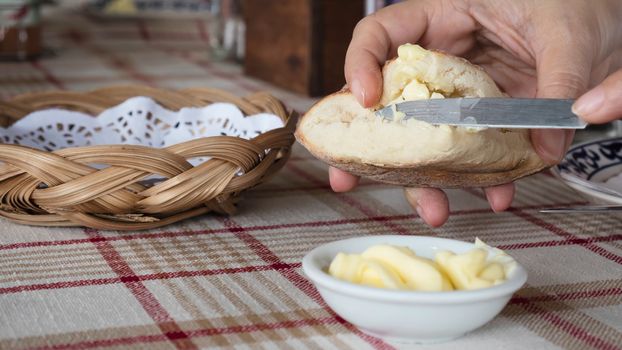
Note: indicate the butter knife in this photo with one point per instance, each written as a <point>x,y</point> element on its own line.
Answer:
<point>490,112</point>
<point>584,209</point>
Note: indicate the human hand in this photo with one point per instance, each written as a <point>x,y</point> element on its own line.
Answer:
<point>603,103</point>
<point>531,48</point>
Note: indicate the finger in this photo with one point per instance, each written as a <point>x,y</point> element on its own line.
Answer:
<point>373,39</point>
<point>500,197</point>
<point>551,144</point>
<point>563,72</point>
<point>603,103</point>
<point>431,204</point>
<point>340,181</point>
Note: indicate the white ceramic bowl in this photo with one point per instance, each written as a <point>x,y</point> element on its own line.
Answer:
<point>407,316</point>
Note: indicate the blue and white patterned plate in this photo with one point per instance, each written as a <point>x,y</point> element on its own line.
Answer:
<point>594,169</point>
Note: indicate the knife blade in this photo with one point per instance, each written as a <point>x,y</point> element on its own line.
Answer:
<point>490,112</point>
<point>584,209</point>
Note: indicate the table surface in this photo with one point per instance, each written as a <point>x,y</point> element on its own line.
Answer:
<point>237,282</point>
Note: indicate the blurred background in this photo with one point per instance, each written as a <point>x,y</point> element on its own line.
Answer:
<point>297,46</point>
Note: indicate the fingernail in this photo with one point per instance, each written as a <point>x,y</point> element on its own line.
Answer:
<point>411,197</point>
<point>550,144</point>
<point>359,92</point>
<point>420,212</point>
<point>590,102</point>
<point>491,200</point>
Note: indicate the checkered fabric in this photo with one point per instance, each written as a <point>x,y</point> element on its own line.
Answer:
<point>236,282</point>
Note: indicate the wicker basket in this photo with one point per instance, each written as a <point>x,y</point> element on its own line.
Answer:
<point>60,188</point>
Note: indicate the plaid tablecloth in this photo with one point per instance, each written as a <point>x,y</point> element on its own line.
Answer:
<point>236,282</point>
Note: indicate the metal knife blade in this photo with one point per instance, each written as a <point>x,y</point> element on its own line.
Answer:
<point>584,209</point>
<point>490,112</point>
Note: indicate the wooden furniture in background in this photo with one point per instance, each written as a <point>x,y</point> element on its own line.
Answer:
<point>20,29</point>
<point>300,44</point>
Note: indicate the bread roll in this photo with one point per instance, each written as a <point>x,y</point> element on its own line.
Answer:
<point>340,132</point>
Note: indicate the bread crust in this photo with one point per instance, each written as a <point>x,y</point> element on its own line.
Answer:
<point>439,173</point>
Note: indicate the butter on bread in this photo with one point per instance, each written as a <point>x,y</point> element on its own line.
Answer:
<point>340,132</point>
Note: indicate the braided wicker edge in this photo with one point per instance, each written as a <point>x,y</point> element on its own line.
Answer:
<point>60,188</point>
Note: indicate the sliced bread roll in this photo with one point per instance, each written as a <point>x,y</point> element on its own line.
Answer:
<point>414,153</point>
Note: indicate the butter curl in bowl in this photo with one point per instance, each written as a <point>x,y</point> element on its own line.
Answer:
<point>413,289</point>
<point>414,153</point>
<point>399,267</point>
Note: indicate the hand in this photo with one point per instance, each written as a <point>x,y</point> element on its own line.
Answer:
<point>603,103</point>
<point>531,48</point>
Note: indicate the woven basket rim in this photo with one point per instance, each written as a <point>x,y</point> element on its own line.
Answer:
<point>19,105</point>
<point>60,188</point>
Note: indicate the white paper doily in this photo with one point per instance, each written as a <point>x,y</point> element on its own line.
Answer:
<point>137,121</point>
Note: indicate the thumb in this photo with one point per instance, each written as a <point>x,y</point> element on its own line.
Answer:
<point>603,103</point>
<point>362,68</point>
<point>563,72</point>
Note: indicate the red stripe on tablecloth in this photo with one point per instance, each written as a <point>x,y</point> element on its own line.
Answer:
<point>148,277</point>
<point>288,324</point>
<point>104,342</point>
<point>569,236</point>
<point>206,65</point>
<point>296,279</point>
<point>573,241</point>
<point>557,231</point>
<point>143,30</point>
<point>81,39</point>
<point>10,246</point>
<point>567,326</point>
<point>266,326</point>
<point>49,77</point>
<point>347,199</point>
<point>103,78</point>
<point>570,328</point>
<point>59,285</point>
<point>126,33</point>
<point>567,296</point>
<point>76,36</point>
<point>205,332</point>
<point>167,234</point>
<point>155,36</point>
<point>114,32</point>
<point>203,32</point>
<point>122,65</point>
<point>245,269</point>
<point>261,250</point>
<point>370,214</point>
<point>149,302</point>
<point>307,188</point>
